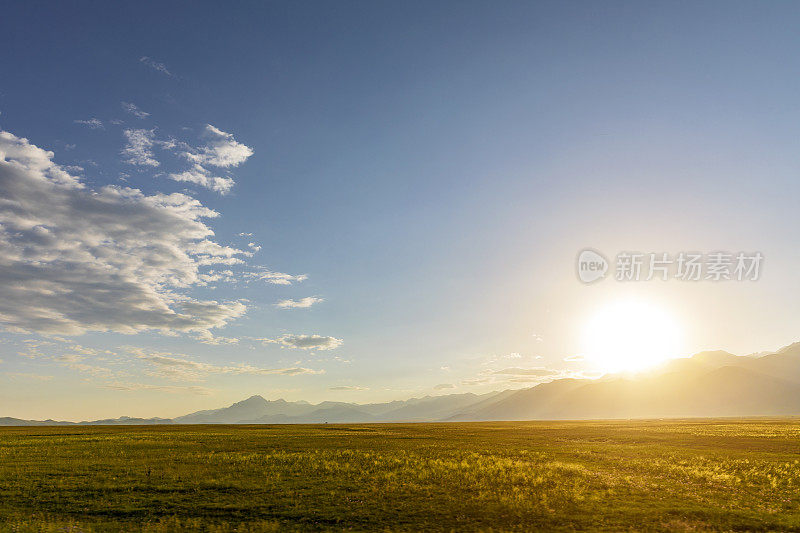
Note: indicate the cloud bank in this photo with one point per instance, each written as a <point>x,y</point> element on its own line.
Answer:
<point>74,259</point>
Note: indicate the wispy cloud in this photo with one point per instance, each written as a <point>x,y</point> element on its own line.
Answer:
<point>134,110</point>
<point>302,303</point>
<point>171,389</point>
<point>155,65</point>
<point>26,376</point>
<point>180,368</point>
<point>347,388</point>
<point>92,123</point>
<point>139,148</point>
<point>275,278</point>
<point>516,371</point>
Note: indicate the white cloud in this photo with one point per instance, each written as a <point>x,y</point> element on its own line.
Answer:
<point>213,276</point>
<point>347,388</point>
<point>306,342</point>
<point>155,65</point>
<point>200,176</point>
<point>93,123</point>
<point>134,110</point>
<point>510,358</point>
<point>275,278</point>
<point>138,149</point>
<point>221,150</point>
<point>253,246</point>
<point>302,303</point>
<point>73,259</point>
<point>206,337</point>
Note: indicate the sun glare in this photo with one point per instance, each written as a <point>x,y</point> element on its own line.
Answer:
<point>630,336</point>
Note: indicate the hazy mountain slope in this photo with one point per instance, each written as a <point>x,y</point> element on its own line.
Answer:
<point>734,391</point>
<point>128,421</point>
<point>783,364</point>
<point>434,407</point>
<point>123,420</point>
<point>376,409</point>
<point>523,404</point>
<point>8,421</point>
<point>486,401</point>
<point>701,362</point>
<point>725,391</point>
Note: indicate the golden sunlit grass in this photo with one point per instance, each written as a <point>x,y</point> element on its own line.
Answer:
<point>672,475</point>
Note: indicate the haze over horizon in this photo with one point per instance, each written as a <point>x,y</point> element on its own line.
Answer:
<point>372,202</point>
<point>710,384</point>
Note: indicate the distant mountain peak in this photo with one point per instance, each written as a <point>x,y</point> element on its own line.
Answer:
<point>256,399</point>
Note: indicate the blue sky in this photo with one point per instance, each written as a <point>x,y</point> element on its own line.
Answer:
<point>433,168</point>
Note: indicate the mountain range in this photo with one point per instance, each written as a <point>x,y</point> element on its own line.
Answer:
<point>708,384</point>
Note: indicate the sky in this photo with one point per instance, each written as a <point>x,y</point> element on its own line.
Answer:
<point>370,201</point>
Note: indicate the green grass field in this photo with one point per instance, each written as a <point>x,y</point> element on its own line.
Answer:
<point>644,475</point>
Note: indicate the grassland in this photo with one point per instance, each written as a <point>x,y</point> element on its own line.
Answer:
<point>648,475</point>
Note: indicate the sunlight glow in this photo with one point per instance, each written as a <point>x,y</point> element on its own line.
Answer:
<point>630,336</point>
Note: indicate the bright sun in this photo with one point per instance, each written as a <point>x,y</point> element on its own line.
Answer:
<point>630,336</point>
